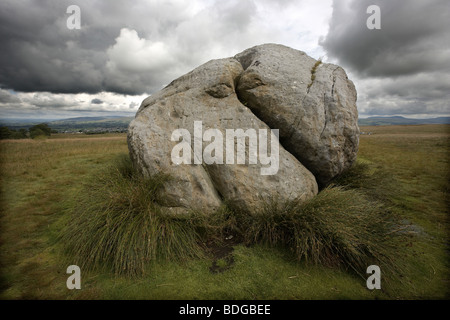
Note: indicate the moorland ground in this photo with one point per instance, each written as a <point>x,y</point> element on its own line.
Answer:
<point>40,178</point>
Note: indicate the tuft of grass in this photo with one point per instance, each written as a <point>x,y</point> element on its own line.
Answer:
<point>367,179</point>
<point>313,72</point>
<point>214,228</point>
<point>118,224</point>
<point>349,225</point>
<point>337,228</point>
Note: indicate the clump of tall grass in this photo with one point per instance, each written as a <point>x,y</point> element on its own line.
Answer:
<point>313,72</point>
<point>118,224</point>
<point>216,227</point>
<point>337,228</point>
<point>375,183</point>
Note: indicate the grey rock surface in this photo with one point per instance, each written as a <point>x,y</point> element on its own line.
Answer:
<point>312,103</point>
<point>265,87</point>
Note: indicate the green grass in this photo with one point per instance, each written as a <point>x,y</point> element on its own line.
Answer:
<point>38,181</point>
<point>259,272</point>
<point>117,225</point>
<point>47,187</point>
<point>337,228</point>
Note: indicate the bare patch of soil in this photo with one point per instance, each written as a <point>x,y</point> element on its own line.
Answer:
<point>222,253</point>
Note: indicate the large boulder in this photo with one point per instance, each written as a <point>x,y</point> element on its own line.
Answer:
<point>182,130</point>
<point>312,103</point>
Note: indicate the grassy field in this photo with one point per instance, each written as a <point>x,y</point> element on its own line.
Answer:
<point>40,181</point>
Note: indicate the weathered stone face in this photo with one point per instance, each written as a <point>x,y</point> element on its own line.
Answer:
<point>263,88</point>
<point>313,104</point>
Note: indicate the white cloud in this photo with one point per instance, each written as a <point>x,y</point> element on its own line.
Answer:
<point>58,105</point>
<point>131,53</point>
<point>145,59</point>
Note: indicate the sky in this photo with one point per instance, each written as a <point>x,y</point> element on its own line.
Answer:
<point>123,51</point>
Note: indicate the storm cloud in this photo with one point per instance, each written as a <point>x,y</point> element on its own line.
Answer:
<point>402,68</point>
<point>413,37</point>
<point>123,47</point>
<point>39,52</point>
<point>127,50</point>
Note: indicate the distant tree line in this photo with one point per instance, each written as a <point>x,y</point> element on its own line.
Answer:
<point>39,130</point>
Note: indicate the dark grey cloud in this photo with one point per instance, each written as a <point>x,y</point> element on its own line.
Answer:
<point>39,53</point>
<point>413,37</point>
<point>96,101</point>
<point>127,50</point>
<point>166,39</point>
<point>136,48</point>
<point>402,68</point>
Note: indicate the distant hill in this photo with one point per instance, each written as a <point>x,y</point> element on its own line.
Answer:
<point>80,124</point>
<point>120,124</point>
<point>81,119</point>
<point>397,120</point>
<point>92,124</point>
